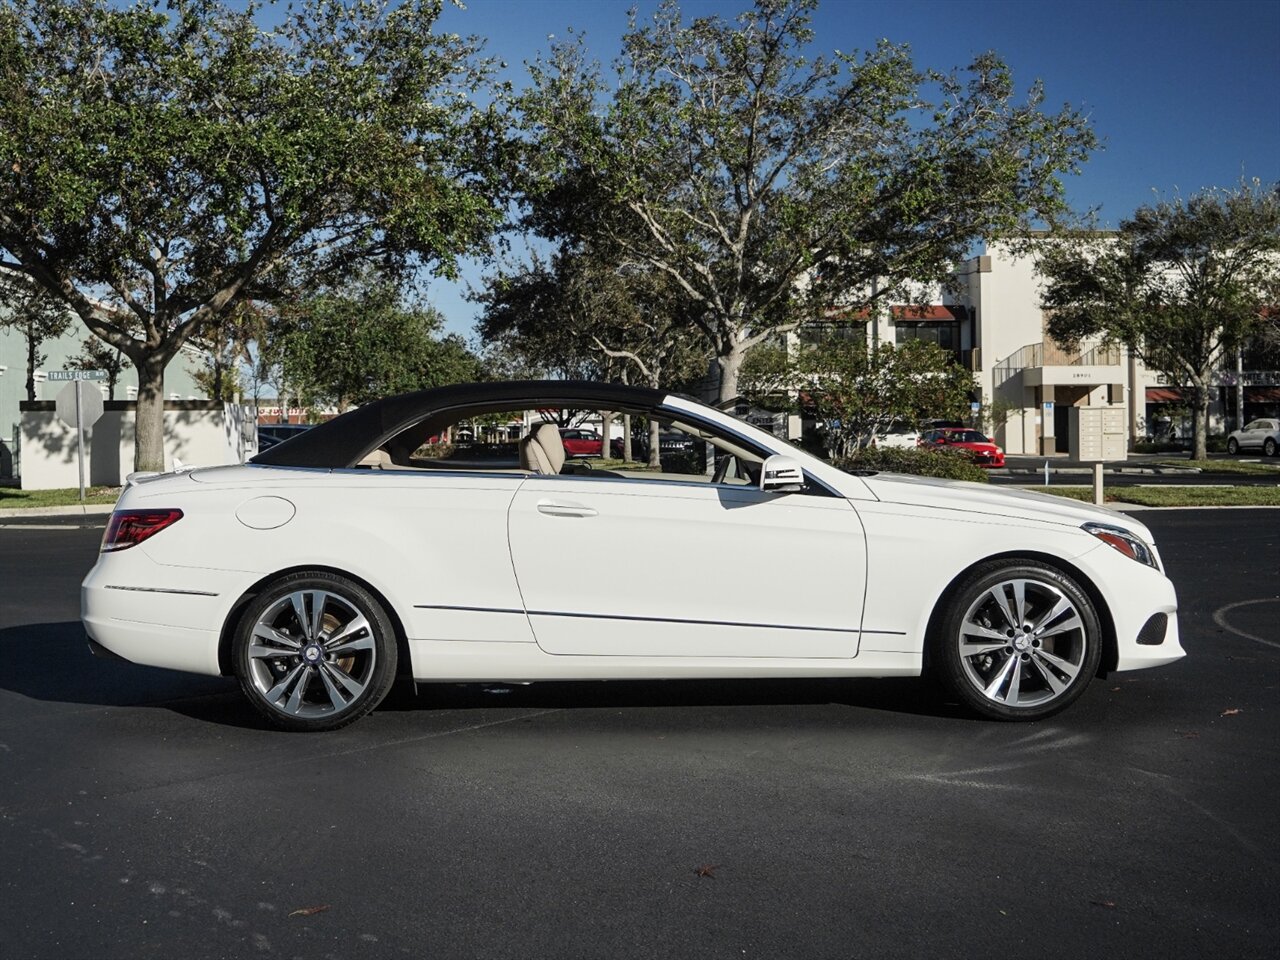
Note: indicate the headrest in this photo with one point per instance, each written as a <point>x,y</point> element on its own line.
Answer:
<point>543,450</point>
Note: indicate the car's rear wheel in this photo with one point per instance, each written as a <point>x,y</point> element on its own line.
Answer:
<point>315,651</point>
<point>1017,640</point>
<point>1233,446</point>
<point>1269,447</point>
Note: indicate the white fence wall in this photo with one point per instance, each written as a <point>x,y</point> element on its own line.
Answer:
<point>196,433</point>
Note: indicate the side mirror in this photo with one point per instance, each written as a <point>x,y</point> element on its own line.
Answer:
<point>781,475</point>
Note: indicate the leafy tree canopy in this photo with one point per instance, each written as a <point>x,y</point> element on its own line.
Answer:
<point>855,393</point>
<point>350,348</point>
<point>35,314</point>
<point>584,316</point>
<point>162,162</point>
<point>1181,284</point>
<point>768,186</point>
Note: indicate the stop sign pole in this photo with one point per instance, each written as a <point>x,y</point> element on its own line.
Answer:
<point>76,409</point>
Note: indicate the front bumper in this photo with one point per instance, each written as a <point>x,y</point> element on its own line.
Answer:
<point>1133,594</point>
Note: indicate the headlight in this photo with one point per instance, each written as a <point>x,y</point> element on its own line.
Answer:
<point>1130,544</point>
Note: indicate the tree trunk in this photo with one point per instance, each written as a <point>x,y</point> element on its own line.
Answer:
<point>655,440</point>
<point>730,363</point>
<point>606,424</point>
<point>1200,424</point>
<point>626,437</point>
<point>148,451</point>
<point>32,346</point>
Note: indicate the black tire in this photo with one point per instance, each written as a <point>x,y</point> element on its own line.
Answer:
<point>1269,447</point>
<point>1233,446</point>
<point>315,651</point>
<point>1042,662</point>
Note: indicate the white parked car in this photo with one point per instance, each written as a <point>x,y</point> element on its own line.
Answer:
<point>899,434</point>
<point>1261,435</point>
<point>340,558</point>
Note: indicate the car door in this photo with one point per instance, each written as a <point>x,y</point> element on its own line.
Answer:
<point>663,568</point>
<point>1251,435</point>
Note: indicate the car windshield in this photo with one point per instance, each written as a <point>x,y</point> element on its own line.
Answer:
<point>965,436</point>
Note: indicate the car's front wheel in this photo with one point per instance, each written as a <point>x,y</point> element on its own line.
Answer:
<point>1017,640</point>
<point>1233,446</point>
<point>1269,447</point>
<point>315,651</point>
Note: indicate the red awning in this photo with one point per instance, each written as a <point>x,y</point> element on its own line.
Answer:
<point>1261,394</point>
<point>1163,395</point>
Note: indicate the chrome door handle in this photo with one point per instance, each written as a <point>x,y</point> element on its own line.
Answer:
<point>553,509</point>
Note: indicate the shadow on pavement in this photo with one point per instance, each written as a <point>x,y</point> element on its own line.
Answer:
<point>52,662</point>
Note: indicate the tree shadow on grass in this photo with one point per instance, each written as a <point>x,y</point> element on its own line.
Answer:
<point>52,662</point>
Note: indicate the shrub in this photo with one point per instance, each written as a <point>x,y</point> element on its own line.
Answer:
<point>949,464</point>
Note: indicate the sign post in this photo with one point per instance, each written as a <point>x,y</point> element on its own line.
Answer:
<point>78,409</point>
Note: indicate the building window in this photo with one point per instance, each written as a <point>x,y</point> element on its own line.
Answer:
<point>945,333</point>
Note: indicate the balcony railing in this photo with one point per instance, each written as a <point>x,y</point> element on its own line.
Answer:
<point>1051,354</point>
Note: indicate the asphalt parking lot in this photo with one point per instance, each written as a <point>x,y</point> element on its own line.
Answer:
<point>147,813</point>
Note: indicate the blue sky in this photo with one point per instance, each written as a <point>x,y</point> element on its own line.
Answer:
<point>1183,93</point>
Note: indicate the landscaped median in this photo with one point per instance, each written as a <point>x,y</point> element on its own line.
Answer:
<point>11,497</point>
<point>1224,466</point>
<point>1175,496</point>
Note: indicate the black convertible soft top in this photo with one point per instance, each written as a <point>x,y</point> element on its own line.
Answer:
<point>343,441</point>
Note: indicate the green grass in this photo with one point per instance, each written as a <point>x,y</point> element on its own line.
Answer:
<point>1225,466</point>
<point>69,497</point>
<point>1177,496</point>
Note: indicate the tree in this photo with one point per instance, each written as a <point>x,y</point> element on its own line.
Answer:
<point>769,187</point>
<point>347,349</point>
<point>532,320</point>
<point>586,316</point>
<point>162,163</point>
<point>96,355</point>
<point>227,348</point>
<point>856,393</point>
<point>1181,284</point>
<point>30,310</point>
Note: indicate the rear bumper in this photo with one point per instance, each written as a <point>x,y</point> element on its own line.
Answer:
<point>157,615</point>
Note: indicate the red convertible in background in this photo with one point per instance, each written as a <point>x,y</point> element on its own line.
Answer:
<point>983,452</point>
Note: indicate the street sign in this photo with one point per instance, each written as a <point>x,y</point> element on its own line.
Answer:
<point>79,408</point>
<point>90,406</point>
<point>77,375</point>
<point>974,406</point>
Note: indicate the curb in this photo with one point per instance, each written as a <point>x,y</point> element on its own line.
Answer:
<point>88,510</point>
<point>1107,471</point>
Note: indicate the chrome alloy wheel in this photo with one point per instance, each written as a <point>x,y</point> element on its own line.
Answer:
<point>311,654</point>
<point>1022,643</point>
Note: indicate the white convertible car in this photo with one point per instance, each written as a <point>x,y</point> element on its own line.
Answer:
<point>366,548</point>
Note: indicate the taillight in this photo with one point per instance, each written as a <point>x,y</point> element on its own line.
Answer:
<point>129,527</point>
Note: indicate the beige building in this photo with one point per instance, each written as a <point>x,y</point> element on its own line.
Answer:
<point>1028,385</point>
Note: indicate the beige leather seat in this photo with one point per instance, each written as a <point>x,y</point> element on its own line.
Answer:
<point>543,451</point>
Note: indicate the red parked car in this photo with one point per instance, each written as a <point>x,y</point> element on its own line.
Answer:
<point>580,443</point>
<point>982,451</point>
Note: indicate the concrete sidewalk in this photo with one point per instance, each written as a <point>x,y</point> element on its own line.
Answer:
<point>76,510</point>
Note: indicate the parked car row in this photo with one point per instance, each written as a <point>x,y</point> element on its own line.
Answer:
<point>942,434</point>
<point>269,434</point>
<point>978,447</point>
<point>1261,435</point>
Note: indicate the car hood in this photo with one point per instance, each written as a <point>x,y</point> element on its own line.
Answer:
<point>996,501</point>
